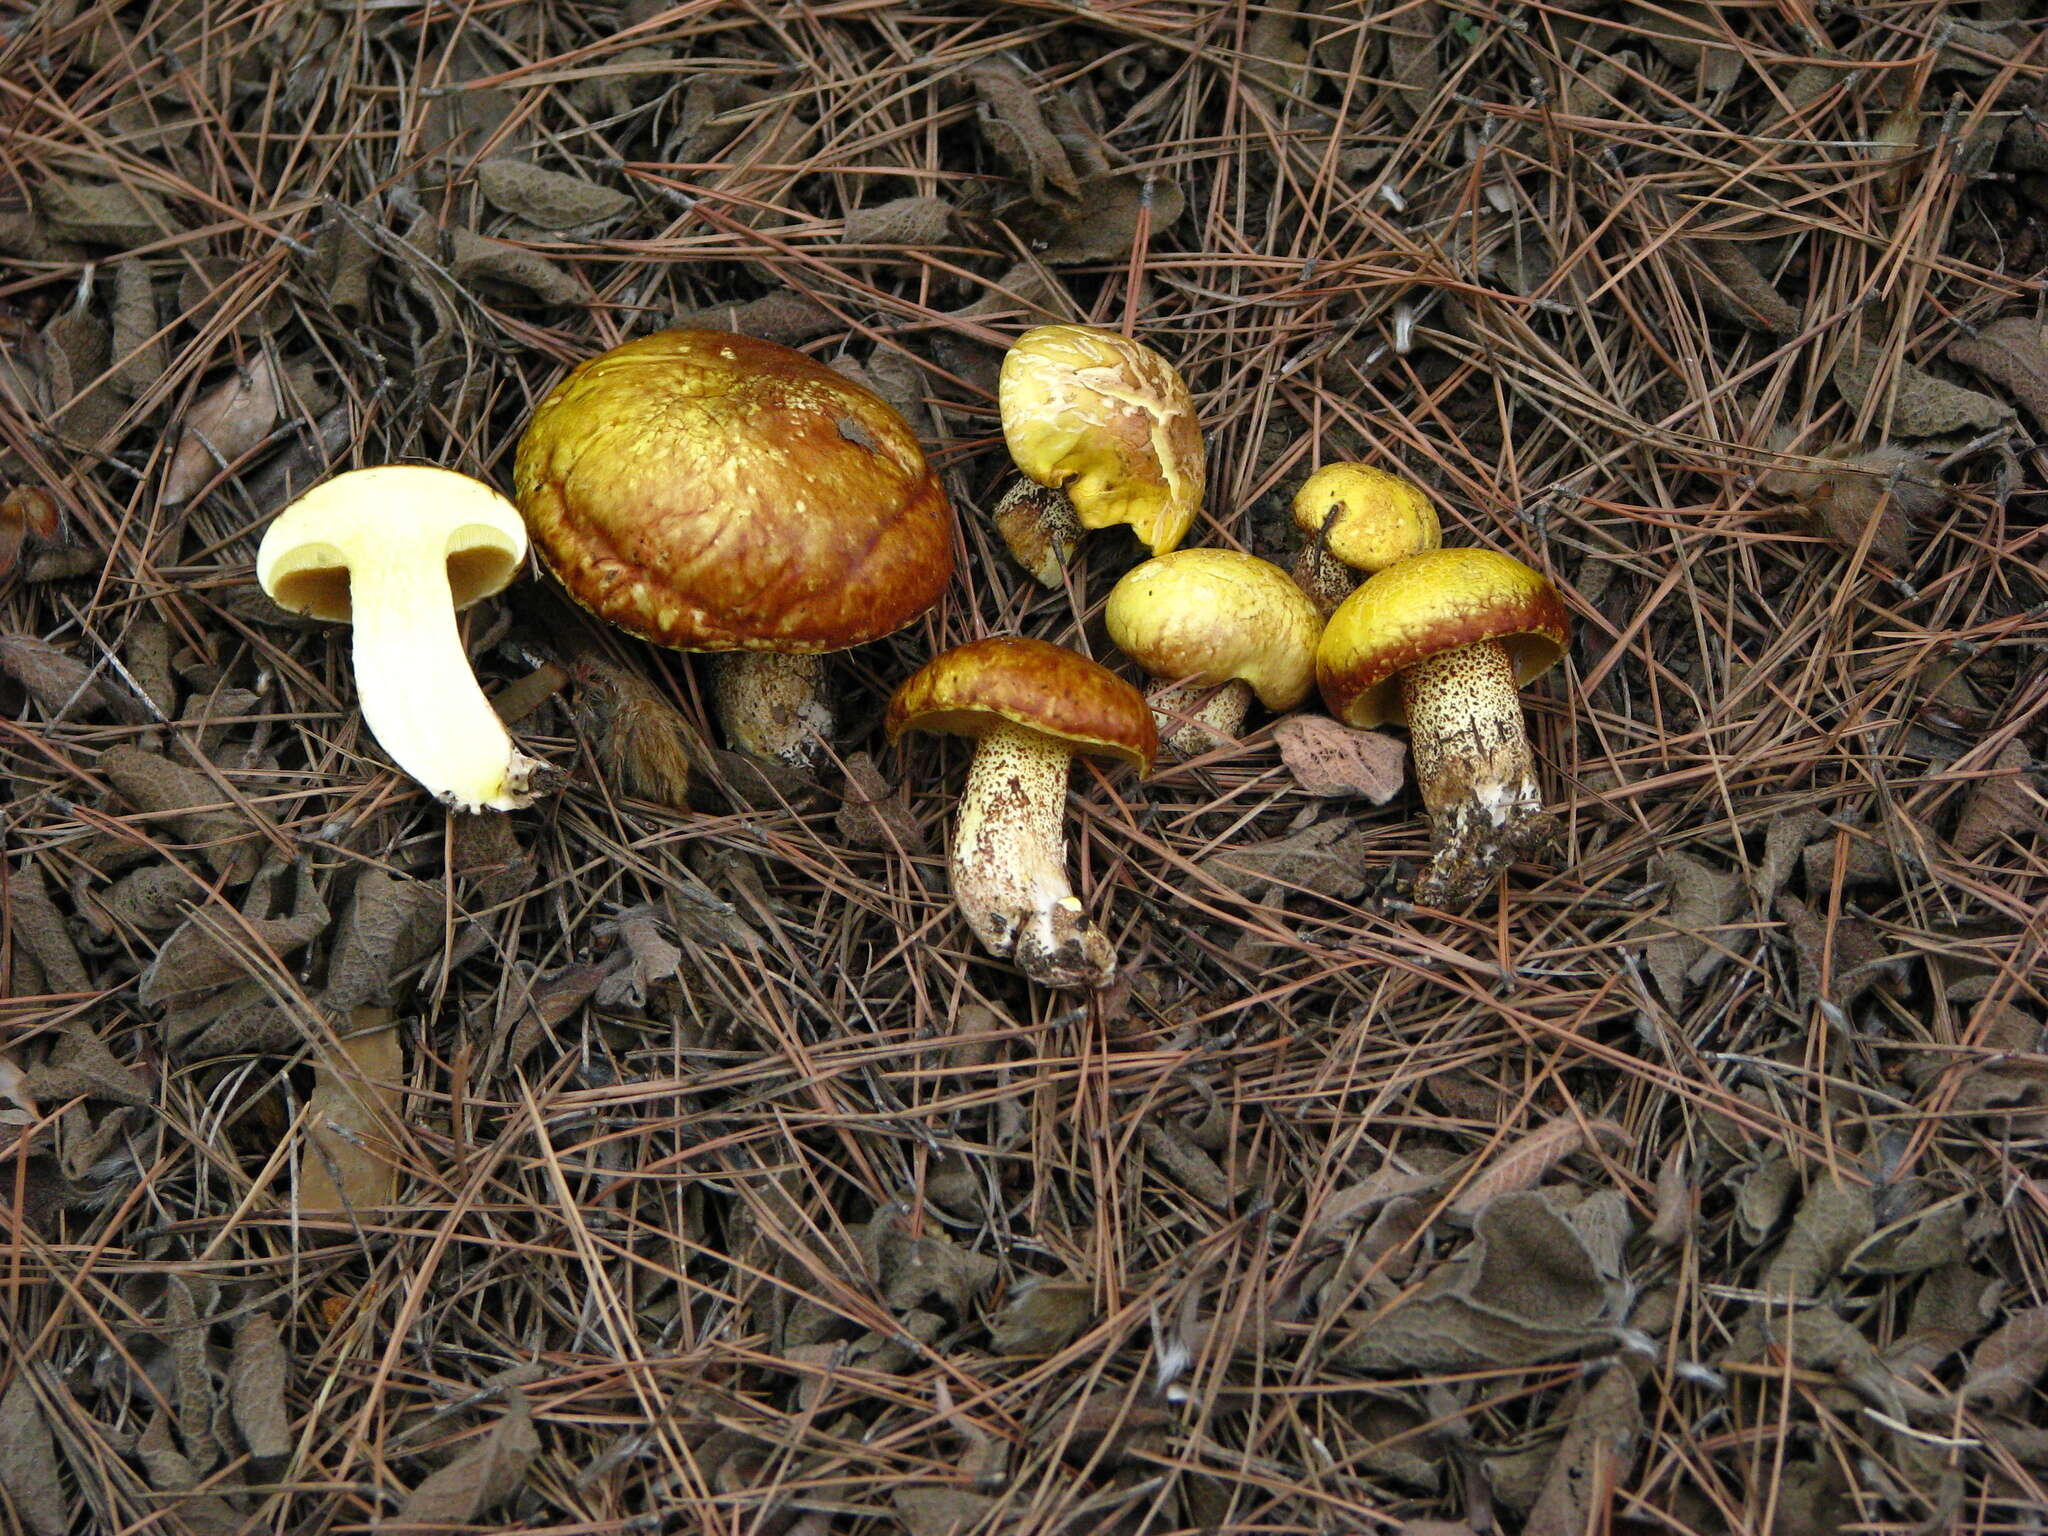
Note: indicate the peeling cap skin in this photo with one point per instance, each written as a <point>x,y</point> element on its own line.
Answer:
<point>1212,616</point>
<point>1057,693</point>
<point>712,492</point>
<point>1433,602</point>
<point>1110,422</point>
<point>1366,517</point>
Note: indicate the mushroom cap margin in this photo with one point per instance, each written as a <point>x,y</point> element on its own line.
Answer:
<point>1034,684</point>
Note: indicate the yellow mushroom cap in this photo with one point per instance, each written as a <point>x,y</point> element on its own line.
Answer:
<point>1211,615</point>
<point>1430,603</point>
<point>1379,517</point>
<point>1042,687</point>
<point>1110,422</point>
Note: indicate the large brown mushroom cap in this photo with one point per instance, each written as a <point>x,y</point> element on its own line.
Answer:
<point>1046,688</point>
<point>1214,615</point>
<point>715,492</point>
<point>1110,422</point>
<point>1429,603</point>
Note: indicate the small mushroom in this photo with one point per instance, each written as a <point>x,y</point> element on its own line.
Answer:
<point>1354,517</point>
<point>394,552</point>
<point>714,492</point>
<point>1030,707</point>
<point>1214,627</point>
<point>1444,640</point>
<point>1104,430</point>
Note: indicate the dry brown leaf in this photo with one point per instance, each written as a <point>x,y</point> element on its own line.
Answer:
<point>2012,352</point>
<point>1595,1458</point>
<point>1042,1317</point>
<point>1676,1205</point>
<point>81,1066</point>
<point>227,422</point>
<point>1327,858</point>
<point>1686,33</point>
<point>1195,1170</point>
<point>1703,898</point>
<point>136,350</point>
<point>547,199</point>
<point>651,958</point>
<point>790,318</point>
<point>1737,291</point>
<point>40,928</point>
<point>102,213</point>
<point>1328,758</point>
<point>481,1478</point>
<point>64,685</point>
<point>1015,127</point>
<point>258,1372</point>
<point>1411,33</point>
<point>157,786</point>
<point>1848,491</point>
<point>872,813</point>
<point>1929,1239</point>
<point>641,741</point>
<point>917,222</point>
<point>1909,401</point>
<point>213,948</point>
<point>2005,1366</point>
<point>1833,1220</point>
<point>1522,1163</point>
<point>910,1271</point>
<point>357,1094</point>
<point>1102,223</point>
<point>940,1511</point>
<point>1363,1200</point>
<point>473,257</point>
<point>392,924</point>
<point>28,1460</point>
<point>2001,804</point>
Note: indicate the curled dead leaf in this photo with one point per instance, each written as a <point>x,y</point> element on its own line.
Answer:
<point>227,422</point>
<point>349,1165</point>
<point>1329,758</point>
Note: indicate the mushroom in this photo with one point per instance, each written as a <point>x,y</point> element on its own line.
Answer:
<point>714,492</point>
<point>1354,517</point>
<point>394,552</point>
<point>1444,639</point>
<point>1030,707</point>
<point>1215,627</point>
<point>1104,429</point>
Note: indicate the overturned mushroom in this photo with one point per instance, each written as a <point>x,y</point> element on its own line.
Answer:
<point>1215,627</point>
<point>1104,429</point>
<point>714,492</point>
<point>394,552</point>
<point>1030,707</point>
<point>1444,640</point>
<point>1354,517</point>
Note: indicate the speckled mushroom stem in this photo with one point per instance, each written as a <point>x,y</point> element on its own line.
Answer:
<point>1326,579</point>
<point>1194,718</point>
<point>772,706</point>
<point>1041,528</point>
<point>1009,862</point>
<point>1472,760</point>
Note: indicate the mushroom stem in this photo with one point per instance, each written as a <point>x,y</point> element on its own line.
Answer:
<point>1041,528</point>
<point>1473,763</point>
<point>1197,717</point>
<point>418,695</point>
<point>1009,862</point>
<point>772,705</point>
<point>1326,579</point>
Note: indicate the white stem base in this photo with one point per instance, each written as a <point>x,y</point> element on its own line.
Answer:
<point>772,706</point>
<point>1473,763</point>
<point>1194,718</point>
<point>1009,863</point>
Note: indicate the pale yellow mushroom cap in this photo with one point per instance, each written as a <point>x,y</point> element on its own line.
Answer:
<point>1110,422</point>
<point>1366,517</point>
<point>1213,615</point>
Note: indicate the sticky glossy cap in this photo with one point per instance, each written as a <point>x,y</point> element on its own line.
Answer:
<point>1433,602</point>
<point>712,491</point>
<point>1110,422</point>
<point>1366,517</point>
<point>1211,615</point>
<point>1029,683</point>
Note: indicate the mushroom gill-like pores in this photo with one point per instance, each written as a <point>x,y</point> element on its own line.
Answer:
<point>394,552</point>
<point>1214,627</point>
<point>715,492</point>
<point>1107,428</point>
<point>1444,640</point>
<point>1354,517</point>
<point>1030,706</point>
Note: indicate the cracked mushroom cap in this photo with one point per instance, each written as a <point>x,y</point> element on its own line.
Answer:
<point>1430,603</point>
<point>1110,422</point>
<point>715,492</point>
<point>1213,615</point>
<point>1366,517</point>
<point>1045,688</point>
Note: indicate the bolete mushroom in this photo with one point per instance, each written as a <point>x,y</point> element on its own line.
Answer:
<point>394,552</point>
<point>1030,706</point>
<point>714,492</point>
<point>1104,430</point>
<point>1443,640</point>
<point>1214,627</point>
<point>1354,517</point>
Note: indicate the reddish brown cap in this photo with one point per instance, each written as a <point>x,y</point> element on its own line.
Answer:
<point>1429,603</point>
<point>1029,683</point>
<point>716,492</point>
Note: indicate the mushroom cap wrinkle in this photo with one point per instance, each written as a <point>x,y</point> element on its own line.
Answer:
<point>1110,422</point>
<point>1216,615</point>
<point>1366,517</point>
<point>715,492</point>
<point>389,513</point>
<point>1041,687</point>
<point>1427,604</point>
